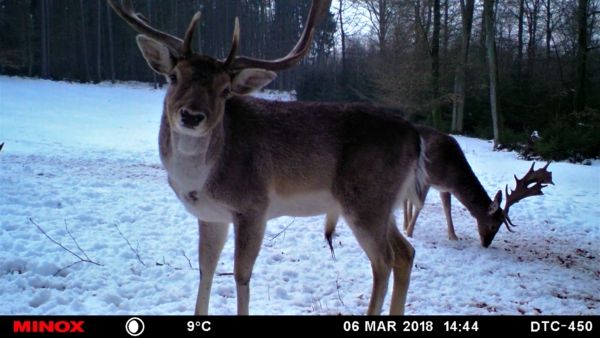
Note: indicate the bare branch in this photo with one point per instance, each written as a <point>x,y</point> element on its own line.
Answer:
<point>338,287</point>
<point>188,260</point>
<point>75,241</point>
<point>135,251</point>
<point>284,229</point>
<point>57,273</point>
<point>164,263</point>
<point>81,259</point>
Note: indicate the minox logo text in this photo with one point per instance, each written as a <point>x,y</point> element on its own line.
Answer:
<point>49,326</point>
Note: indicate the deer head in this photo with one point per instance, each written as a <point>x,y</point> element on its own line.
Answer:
<point>529,185</point>
<point>199,85</point>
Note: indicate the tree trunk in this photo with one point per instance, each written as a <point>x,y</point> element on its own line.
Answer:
<point>520,42</point>
<point>342,35</point>
<point>45,64</point>
<point>30,51</point>
<point>383,25</point>
<point>86,63</point>
<point>421,42</point>
<point>458,106</point>
<point>532,25</point>
<point>548,29</point>
<point>380,21</point>
<point>446,37</point>
<point>99,42</point>
<point>435,65</point>
<point>581,61</point>
<point>490,44</point>
<point>111,47</point>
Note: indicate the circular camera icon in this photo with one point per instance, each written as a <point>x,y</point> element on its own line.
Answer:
<point>134,326</point>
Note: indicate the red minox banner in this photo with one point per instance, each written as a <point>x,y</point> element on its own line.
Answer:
<point>48,326</point>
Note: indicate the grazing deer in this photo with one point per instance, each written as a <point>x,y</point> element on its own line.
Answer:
<point>236,159</point>
<point>449,172</point>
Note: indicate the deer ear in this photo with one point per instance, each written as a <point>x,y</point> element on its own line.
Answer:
<point>495,206</point>
<point>249,80</point>
<point>157,54</point>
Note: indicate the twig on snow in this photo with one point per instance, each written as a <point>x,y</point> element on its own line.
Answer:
<point>85,259</point>
<point>284,229</point>
<point>136,251</point>
<point>188,260</point>
<point>75,241</point>
<point>338,287</point>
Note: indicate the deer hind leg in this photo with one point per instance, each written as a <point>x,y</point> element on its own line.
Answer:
<point>249,233</point>
<point>407,208</point>
<point>413,215</point>
<point>446,203</point>
<point>404,254</point>
<point>212,239</point>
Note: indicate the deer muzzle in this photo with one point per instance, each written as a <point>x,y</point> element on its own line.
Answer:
<point>191,119</point>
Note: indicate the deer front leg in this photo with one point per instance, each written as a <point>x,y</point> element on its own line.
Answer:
<point>212,239</point>
<point>370,231</point>
<point>249,233</point>
<point>446,203</point>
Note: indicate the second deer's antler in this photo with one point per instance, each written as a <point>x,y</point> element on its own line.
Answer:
<point>529,185</point>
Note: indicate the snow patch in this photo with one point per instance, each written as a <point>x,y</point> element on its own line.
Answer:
<point>86,156</point>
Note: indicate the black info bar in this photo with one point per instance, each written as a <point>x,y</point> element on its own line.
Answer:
<point>338,326</point>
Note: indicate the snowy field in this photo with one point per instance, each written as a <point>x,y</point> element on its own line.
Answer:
<point>81,161</point>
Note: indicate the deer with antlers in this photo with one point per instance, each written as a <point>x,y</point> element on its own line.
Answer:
<point>449,172</point>
<point>235,159</point>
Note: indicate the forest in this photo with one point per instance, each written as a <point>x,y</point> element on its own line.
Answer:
<point>525,73</point>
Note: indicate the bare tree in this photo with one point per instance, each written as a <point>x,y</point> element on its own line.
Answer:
<point>99,41</point>
<point>381,16</point>
<point>84,44</point>
<point>490,44</point>
<point>342,33</point>
<point>520,30</point>
<point>45,71</point>
<point>435,65</point>
<point>582,51</point>
<point>111,46</point>
<point>548,29</point>
<point>458,106</point>
<point>532,11</point>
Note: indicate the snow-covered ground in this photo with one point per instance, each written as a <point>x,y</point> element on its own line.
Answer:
<point>81,162</point>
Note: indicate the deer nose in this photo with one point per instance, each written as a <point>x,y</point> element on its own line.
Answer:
<point>191,118</point>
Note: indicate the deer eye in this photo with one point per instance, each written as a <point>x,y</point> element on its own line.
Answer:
<point>226,92</point>
<point>173,78</point>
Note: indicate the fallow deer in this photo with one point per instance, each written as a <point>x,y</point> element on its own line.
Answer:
<point>236,159</point>
<point>449,172</point>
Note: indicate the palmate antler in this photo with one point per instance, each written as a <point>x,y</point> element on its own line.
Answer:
<point>529,185</point>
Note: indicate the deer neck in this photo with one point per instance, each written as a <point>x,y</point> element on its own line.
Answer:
<point>474,197</point>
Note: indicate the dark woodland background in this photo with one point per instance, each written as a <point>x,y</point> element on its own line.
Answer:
<point>492,69</point>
